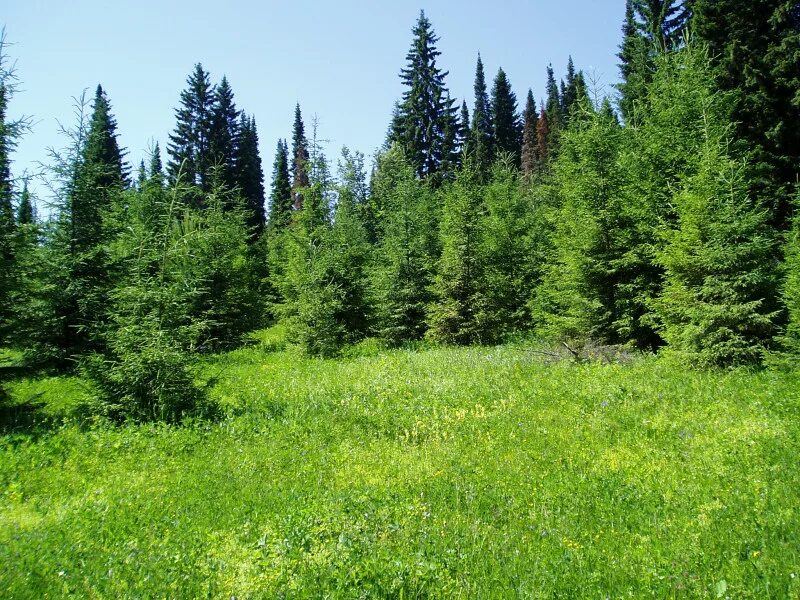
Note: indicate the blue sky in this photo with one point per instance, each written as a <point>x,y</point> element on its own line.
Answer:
<point>340,59</point>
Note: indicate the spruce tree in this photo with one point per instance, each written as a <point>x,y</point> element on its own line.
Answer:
<point>155,171</point>
<point>718,307</point>
<point>225,133</point>
<point>530,144</point>
<point>753,46</point>
<point>543,139</point>
<point>464,130</point>
<point>633,66</point>
<point>7,224</point>
<point>577,300</point>
<point>299,159</point>
<point>552,109</point>
<point>506,127</point>
<point>790,340</point>
<point>280,197</point>
<point>406,252</point>
<point>425,123</point>
<point>481,144</point>
<point>457,284</point>
<point>189,145</point>
<point>25,211</point>
<point>249,175</point>
<point>98,181</point>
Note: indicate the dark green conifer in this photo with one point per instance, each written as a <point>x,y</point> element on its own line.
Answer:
<point>506,126</point>
<point>299,159</point>
<point>250,175</point>
<point>225,134</point>
<point>529,152</point>
<point>280,197</point>
<point>481,144</point>
<point>425,124</point>
<point>189,145</point>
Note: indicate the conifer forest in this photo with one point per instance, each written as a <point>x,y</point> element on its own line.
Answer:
<point>528,348</point>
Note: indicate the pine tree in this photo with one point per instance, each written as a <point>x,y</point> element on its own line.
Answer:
<point>25,211</point>
<point>280,198</point>
<point>650,26</point>
<point>506,127</point>
<point>530,142</point>
<point>464,131</point>
<point>300,159</point>
<point>249,175</point>
<point>481,145</point>
<point>405,255</point>
<point>98,180</point>
<point>790,340</point>
<point>190,144</point>
<point>718,306</point>
<point>577,300</point>
<point>552,109</point>
<point>753,46</point>
<point>457,284</point>
<point>425,123</point>
<point>224,134</point>
<point>543,139</point>
<point>7,224</point>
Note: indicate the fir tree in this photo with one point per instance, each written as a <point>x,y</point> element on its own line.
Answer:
<point>753,46</point>
<point>250,175</point>
<point>718,306</point>
<point>280,198</point>
<point>156,170</point>
<point>481,144</point>
<point>790,340</point>
<point>300,159</point>
<point>543,139</point>
<point>190,144</point>
<point>405,255</point>
<point>506,127</point>
<point>7,225</point>
<point>633,66</point>
<point>552,109</point>
<point>26,214</point>
<point>464,130</point>
<point>224,135</point>
<point>457,285</point>
<point>530,143</point>
<point>425,123</point>
<point>98,180</point>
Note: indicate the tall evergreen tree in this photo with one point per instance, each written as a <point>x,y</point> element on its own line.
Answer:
<point>280,197</point>
<point>7,225</point>
<point>543,139</point>
<point>189,145</point>
<point>225,132</point>
<point>481,145</point>
<point>464,130</point>
<point>457,284</point>
<point>753,45</point>
<point>406,252</point>
<point>156,170</point>
<point>300,159</point>
<point>426,121</point>
<point>529,152</point>
<point>250,175</point>
<point>26,214</point>
<point>506,127</point>
<point>552,109</point>
<point>98,180</point>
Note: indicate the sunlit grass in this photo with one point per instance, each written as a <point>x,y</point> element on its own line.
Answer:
<point>472,473</point>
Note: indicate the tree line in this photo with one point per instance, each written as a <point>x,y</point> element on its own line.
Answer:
<point>661,219</point>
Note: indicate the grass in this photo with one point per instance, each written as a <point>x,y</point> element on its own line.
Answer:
<point>472,473</point>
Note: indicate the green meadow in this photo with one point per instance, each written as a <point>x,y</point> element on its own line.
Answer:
<point>489,472</point>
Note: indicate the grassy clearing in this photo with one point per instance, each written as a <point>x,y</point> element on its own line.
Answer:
<point>473,473</point>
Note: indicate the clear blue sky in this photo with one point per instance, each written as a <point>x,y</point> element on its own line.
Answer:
<point>339,59</point>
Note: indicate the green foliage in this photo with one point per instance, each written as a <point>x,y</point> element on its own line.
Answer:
<point>506,126</point>
<point>487,473</point>
<point>406,251</point>
<point>578,297</point>
<point>790,340</point>
<point>458,282</point>
<point>753,46</point>
<point>718,305</point>
<point>426,122</point>
<point>250,176</point>
<point>144,371</point>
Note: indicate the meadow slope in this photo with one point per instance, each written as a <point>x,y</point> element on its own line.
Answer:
<point>472,473</point>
